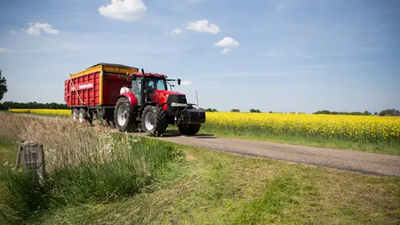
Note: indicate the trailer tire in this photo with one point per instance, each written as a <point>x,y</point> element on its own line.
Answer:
<point>83,116</point>
<point>124,116</point>
<point>75,115</point>
<point>154,120</point>
<point>189,129</point>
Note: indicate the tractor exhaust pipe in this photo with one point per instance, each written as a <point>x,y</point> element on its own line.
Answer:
<point>143,94</point>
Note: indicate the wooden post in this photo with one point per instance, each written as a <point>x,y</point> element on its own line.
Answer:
<point>19,153</point>
<point>33,158</point>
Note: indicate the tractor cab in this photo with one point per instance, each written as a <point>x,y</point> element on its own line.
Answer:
<point>144,87</point>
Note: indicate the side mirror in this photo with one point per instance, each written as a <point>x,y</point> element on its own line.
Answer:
<point>179,81</point>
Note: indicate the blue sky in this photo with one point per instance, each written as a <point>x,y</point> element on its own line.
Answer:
<point>289,56</point>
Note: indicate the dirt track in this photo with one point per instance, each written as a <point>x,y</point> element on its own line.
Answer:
<point>363,162</point>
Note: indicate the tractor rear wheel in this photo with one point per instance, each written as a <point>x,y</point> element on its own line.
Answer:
<point>124,116</point>
<point>189,129</point>
<point>154,120</point>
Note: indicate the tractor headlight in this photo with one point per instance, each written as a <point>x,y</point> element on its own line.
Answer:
<point>175,104</point>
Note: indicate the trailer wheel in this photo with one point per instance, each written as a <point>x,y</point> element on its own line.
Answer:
<point>154,120</point>
<point>82,115</point>
<point>124,116</point>
<point>189,129</point>
<point>75,115</point>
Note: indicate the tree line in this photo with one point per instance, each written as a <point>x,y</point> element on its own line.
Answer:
<point>385,112</point>
<point>233,110</point>
<point>32,105</point>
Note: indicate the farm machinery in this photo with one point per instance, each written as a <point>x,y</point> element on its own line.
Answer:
<point>127,98</point>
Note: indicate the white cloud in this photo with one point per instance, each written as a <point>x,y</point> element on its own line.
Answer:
<point>126,10</point>
<point>226,50</point>
<point>13,32</point>
<point>280,8</point>
<point>186,82</point>
<point>203,26</point>
<point>176,31</point>
<point>5,50</point>
<point>37,29</point>
<point>227,42</point>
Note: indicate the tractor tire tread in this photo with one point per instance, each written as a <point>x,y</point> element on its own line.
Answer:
<point>161,120</point>
<point>131,123</point>
<point>189,129</point>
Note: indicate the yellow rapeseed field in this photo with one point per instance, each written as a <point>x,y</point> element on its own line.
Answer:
<point>354,128</point>
<point>60,112</point>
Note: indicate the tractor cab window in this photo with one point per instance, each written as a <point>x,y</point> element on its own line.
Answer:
<point>136,88</point>
<point>161,85</point>
<point>153,84</point>
<point>150,86</point>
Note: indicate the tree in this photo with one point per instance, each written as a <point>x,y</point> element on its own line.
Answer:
<point>367,113</point>
<point>211,110</point>
<point>255,111</point>
<point>3,86</point>
<point>375,113</point>
<point>235,110</point>
<point>323,112</point>
<point>389,112</point>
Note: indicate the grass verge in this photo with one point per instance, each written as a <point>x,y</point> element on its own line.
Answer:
<point>84,165</point>
<point>218,188</point>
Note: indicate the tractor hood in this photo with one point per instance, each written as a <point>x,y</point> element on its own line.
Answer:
<point>163,97</point>
<point>165,93</point>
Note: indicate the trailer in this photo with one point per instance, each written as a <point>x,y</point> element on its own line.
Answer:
<point>93,92</point>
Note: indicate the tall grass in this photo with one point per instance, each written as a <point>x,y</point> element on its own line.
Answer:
<point>83,164</point>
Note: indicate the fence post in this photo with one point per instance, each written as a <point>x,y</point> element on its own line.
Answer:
<point>33,158</point>
<point>20,150</point>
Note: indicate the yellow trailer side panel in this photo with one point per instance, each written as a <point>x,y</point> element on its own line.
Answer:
<point>105,68</point>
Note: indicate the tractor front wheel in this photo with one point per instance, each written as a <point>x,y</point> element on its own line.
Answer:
<point>154,120</point>
<point>189,129</point>
<point>124,116</point>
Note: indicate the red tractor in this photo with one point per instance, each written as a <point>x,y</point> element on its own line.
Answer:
<point>128,98</point>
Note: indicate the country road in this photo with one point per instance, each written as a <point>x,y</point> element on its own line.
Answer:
<point>363,162</point>
<point>357,161</point>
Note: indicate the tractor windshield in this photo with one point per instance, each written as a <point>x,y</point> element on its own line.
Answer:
<point>153,83</point>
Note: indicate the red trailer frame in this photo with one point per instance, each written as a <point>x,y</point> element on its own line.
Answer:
<point>96,86</point>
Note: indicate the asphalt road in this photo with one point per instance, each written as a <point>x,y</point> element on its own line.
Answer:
<point>363,162</point>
